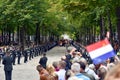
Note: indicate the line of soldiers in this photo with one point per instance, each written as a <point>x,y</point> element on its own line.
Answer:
<point>30,53</point>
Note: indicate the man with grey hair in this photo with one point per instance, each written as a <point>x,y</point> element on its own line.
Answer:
<point>88,70</point>
<point>76,70</point>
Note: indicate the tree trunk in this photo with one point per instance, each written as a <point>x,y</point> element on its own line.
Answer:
<point>87,36</point>
<point>118,21</point>
<point>13,40</point>
<point>9,38</point>
<point>102,33</point>
<point>37,35</point>
<point>46,35</point>
<point>18,35</point>
<point>42,33</point>
<point>22,37</point>
<point>94,33</point>
<point>2,36</point>
<point>110,27</point>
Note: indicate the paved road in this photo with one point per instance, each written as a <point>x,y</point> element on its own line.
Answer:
<point>27,71</point>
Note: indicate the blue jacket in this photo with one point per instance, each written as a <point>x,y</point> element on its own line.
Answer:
<point>81,76</point>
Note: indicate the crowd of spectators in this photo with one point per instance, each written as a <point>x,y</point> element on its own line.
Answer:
<point>74,66</point>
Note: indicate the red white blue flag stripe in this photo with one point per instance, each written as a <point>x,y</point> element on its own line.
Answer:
<point>100,51</point>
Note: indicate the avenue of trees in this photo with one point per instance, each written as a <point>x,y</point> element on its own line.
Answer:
<point>28,17</point>
<point>86,21</point>
<point>93,18</point>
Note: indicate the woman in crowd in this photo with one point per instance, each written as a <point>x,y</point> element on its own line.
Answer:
<point>42,72</point>
<point>52,74</point>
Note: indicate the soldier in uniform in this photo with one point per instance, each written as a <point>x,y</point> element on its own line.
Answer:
<point>35,52</point>
<point>32,50</point>
<point>0,58</point>
<point>0,55</point>
<point>30,54</point>
<point>19,53</point>
<point>14,56</point>
<point>25,56</point>
<point>39,50</point>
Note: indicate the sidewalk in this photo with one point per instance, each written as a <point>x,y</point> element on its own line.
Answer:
<point>27,71</point>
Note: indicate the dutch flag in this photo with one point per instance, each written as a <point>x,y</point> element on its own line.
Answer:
<point>100,51</point>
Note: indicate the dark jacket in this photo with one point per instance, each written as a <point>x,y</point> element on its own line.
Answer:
<point>43,61</point>
<point>7,62</point>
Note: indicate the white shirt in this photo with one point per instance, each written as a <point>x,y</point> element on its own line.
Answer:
<point>61,74</point>
<point>91,72</point>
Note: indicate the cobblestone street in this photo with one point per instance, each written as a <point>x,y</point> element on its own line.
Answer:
<point>27,71</point>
